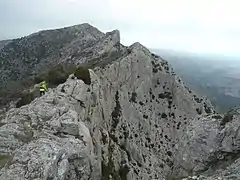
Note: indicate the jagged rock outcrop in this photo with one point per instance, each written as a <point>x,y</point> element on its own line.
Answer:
<point>212,146</point>
<point>23,59</point>
<point>136,120</point>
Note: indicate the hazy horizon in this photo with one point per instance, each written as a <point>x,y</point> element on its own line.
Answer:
<point>191,26</point>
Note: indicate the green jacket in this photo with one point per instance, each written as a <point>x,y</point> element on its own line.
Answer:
<point>43,87</point>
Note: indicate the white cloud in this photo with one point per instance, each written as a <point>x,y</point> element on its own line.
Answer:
<point>194,25</point>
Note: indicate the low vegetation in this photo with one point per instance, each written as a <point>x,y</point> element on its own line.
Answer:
<point>61,72</point>
<point>228,117</point>
<point>83,74</point>
<point>4,160</point>
<point>26,98</point>
<point>58,74</point>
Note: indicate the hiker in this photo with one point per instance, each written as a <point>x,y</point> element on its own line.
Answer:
<point>43,88</point>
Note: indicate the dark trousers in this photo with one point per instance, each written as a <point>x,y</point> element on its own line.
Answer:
<point>42,93</point>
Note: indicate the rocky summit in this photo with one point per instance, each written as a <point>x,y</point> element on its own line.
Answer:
<point>129,118</point>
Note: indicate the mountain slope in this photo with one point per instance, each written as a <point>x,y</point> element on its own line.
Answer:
<point>212,75</point>
<point>135,111</point>
<point>23,59</point>
<point>135,120</point>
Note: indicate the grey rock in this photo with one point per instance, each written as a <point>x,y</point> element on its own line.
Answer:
<point>210,145</point>
<point>130,131</point>
<point>136,120</point>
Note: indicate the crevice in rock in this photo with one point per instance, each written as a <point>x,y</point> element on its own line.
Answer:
<point>116,112</point>
<point>133,97</point>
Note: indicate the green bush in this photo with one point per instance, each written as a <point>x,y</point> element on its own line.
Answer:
<point>227,118</point>
<point>83,74</point>
<point>26,98</point>
<point>53,76</point>
<point>56,75</point>
<point>13,90</point>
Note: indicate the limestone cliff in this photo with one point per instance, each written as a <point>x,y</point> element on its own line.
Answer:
<point>136,120</point>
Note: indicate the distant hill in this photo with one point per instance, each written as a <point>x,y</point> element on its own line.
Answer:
<point>216,76</point>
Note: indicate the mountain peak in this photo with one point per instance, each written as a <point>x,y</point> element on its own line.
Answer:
<point>139,46</point>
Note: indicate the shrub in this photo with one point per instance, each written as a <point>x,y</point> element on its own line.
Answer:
<point>217,116</point>
<point>27,98</point>
<point>134,97</point>
<point>227,118</point>
<point>56,75</point>
<point>5,159</point>
<point>53,76</point>
<point>83,74</point>
<point>207,109</point>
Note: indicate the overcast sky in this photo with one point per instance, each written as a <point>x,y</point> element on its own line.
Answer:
<point>191,25</point>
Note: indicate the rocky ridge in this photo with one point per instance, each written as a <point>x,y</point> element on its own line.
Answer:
<point>4,43</point>
<point>136,120</point>
<point>28,56</point>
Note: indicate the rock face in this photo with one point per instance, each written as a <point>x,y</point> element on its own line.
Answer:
<point>28,56</point>
<point>213,145</point>
<point>136,120</point>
